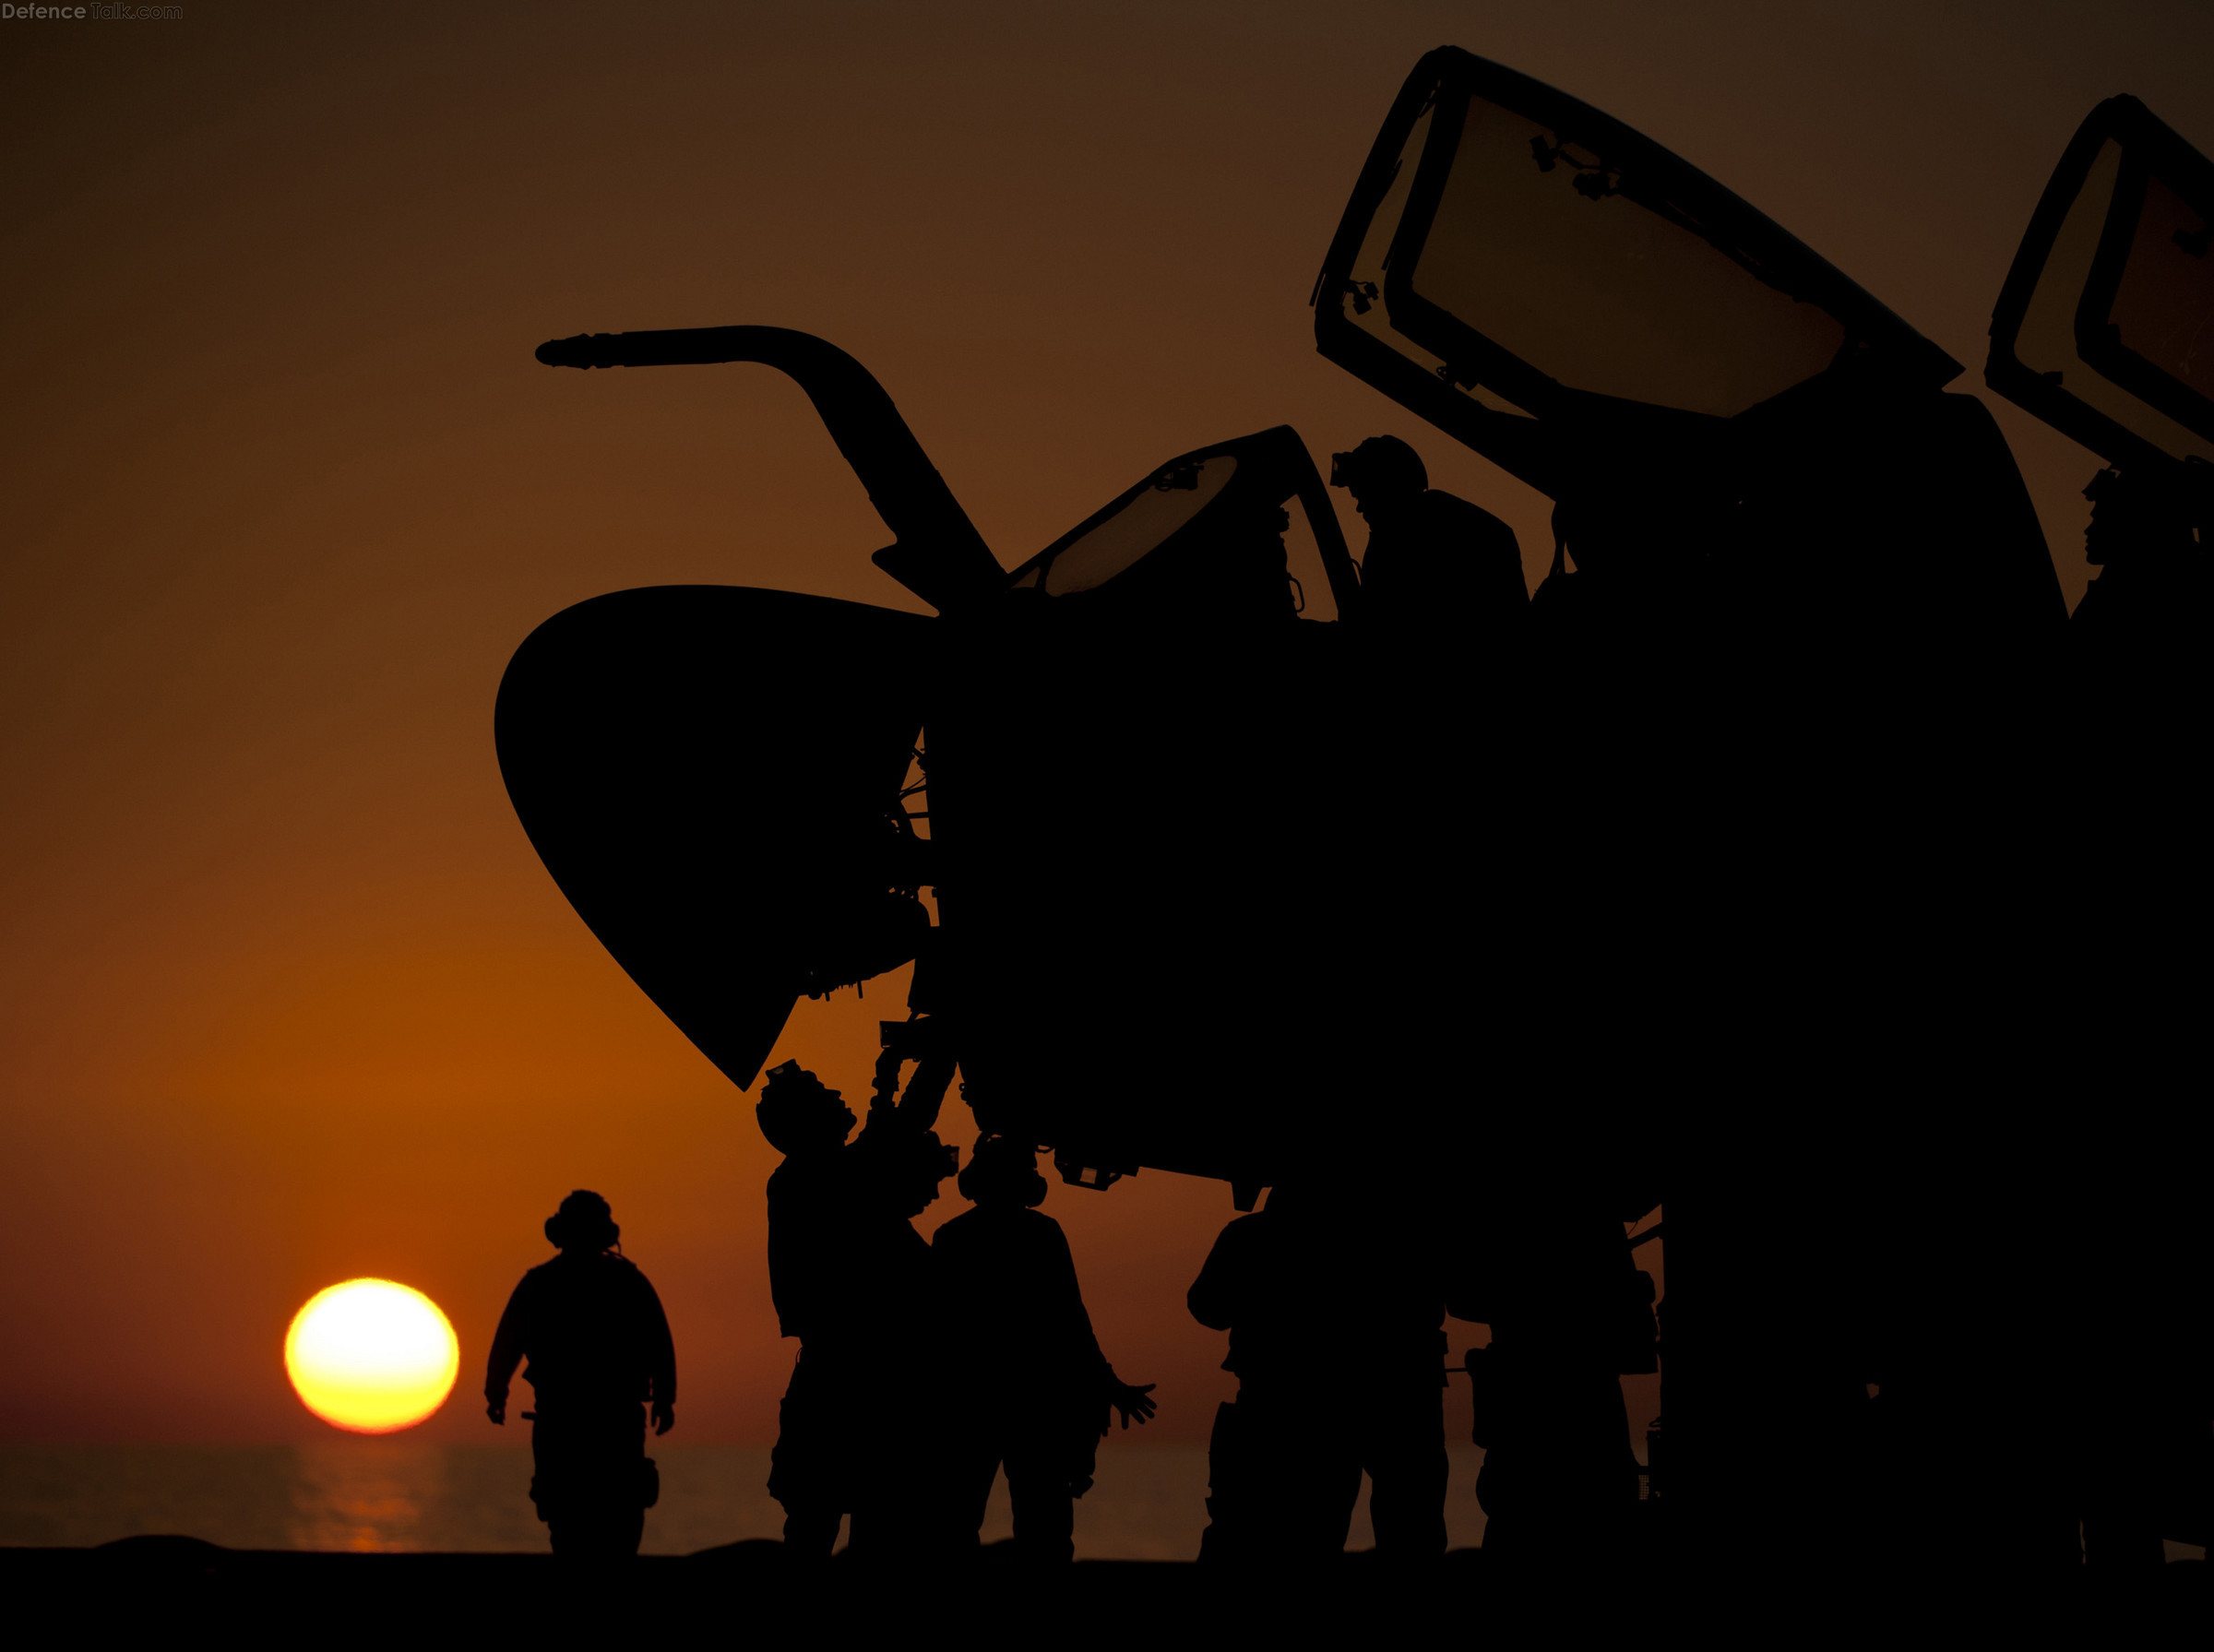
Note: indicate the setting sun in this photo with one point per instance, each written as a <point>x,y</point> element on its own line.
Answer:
<point>371,1356</point>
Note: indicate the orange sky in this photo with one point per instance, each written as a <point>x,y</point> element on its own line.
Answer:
<point>285,996</point>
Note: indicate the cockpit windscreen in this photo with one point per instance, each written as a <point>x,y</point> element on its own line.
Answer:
<point>2105,327</point>
<point>1580,266</point>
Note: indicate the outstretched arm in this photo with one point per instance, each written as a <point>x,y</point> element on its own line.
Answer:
<point>1132,1399</point>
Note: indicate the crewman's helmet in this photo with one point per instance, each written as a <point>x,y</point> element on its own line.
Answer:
<point>1002,1170</point>
<point>798,1111</point>
<point>583,1223</point>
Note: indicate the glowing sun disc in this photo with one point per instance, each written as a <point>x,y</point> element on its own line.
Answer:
<point>371,1356</point>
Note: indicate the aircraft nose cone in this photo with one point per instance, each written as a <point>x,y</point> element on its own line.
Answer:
<point>708,773</point>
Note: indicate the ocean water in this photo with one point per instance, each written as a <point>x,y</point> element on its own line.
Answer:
<point>394,1493</point>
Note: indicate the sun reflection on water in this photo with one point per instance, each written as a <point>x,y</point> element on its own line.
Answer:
<point>366,1494</point>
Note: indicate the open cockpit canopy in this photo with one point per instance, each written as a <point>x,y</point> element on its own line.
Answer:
<point>1200,524</point>
<point>1551,287</point>
<point>2105,327</point>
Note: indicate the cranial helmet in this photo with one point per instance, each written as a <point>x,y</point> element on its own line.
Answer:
<point>797,1108</point>
<point>584,1223</point>
<point>1002,1170</point>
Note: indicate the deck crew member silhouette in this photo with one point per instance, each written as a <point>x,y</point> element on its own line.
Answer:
<point>1335,1314</point>
<point>851,1279</point>
<point>1568,1310</point>
<point>1439,572</point>
<point>1035,1389</point>
<point>597,1343</point>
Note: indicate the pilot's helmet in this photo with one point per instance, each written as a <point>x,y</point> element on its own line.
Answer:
<point>1381,464</point>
